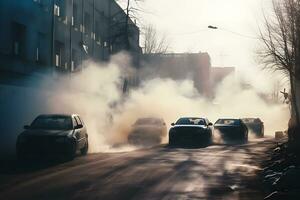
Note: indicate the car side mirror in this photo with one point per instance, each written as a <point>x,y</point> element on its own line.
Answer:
<point>173,124</point>
<point>210,124</point>
<point>79,126</point>
<point>26,127</point>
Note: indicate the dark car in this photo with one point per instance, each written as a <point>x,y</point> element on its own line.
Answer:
<point>59,135</point>
<point>147,131</point>
<point>255,126</point>
<point>231,130</point>
<point>191,131</point>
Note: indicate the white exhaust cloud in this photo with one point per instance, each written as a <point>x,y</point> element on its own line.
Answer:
<point>95,94</point>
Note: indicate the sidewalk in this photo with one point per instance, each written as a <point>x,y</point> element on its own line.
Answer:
<point>281,174</point>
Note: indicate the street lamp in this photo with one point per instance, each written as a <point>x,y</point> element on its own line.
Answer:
<point>232,32</point>
<point>212,27</point>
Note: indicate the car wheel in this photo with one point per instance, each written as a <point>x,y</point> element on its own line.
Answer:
<point>71,153</point>
<point>85,149</point>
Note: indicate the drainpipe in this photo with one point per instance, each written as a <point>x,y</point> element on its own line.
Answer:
<point>71,21</point>
<point>52,34</point>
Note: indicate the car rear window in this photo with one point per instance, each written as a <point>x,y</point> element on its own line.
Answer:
<point>148,121</point>
<point>191,121</point>
<point>229,122</point>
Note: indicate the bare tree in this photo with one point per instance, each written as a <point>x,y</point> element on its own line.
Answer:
<point>152,42</point>
<point>281,39</point>
<point>132,8</point>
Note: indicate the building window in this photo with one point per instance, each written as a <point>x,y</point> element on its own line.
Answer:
<point>75,60</point>
<point>19,39</point>
<point>37,1</point>
<point>37,54</point>
<point>87,23</point>
<point>41,52</point>
<point>75,15</point>
<point>72,66</point>
<point>97,32</point>
<point>56,10</point>
<point>59,52</point>
<point>57,60</point>
<point>16,48</point>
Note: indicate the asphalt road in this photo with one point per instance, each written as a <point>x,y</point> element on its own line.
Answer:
<point>216,172</point>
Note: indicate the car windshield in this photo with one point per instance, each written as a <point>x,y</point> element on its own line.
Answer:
<point>52,123</point>
<point>251,120</point>
<point>191,121</point>
<point>229,122</point>
<point>148,121</point>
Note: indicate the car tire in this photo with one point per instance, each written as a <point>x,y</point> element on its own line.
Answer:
<point>85,149</point>
<point>71,153</point>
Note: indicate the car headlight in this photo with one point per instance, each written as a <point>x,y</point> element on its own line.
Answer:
<point>60,140</point>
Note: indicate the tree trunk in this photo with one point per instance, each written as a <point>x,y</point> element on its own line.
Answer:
<point>294,123</point>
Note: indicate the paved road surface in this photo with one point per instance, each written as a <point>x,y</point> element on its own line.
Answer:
<point>216,172</point>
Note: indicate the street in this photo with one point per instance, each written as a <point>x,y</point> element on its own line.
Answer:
<point>216,172</point>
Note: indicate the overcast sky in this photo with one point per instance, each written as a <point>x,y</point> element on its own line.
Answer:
<point>185,24</point>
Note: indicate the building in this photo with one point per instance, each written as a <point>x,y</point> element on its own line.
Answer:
<point>179,66</point>
<point>58,35</point>
<point>218,74</point>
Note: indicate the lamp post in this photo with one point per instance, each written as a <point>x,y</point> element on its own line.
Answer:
<point>232,32</point>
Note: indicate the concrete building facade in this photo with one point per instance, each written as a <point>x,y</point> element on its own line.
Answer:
<point>218,74</point>
<point>58,35</point>
<point>180,66</point>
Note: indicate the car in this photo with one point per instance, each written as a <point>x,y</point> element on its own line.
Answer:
<point>54,134</point>
<point>191,131</point>
<point>231,130</point>
<point>147,131</point>
<point>255,126</point>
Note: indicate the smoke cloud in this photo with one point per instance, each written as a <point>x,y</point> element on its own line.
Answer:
<point>95,93</point>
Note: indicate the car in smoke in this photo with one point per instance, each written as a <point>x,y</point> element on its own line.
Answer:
<point>55,134</point>
<point>147,131</point>
<point>255,126</point>
<point>191,131</point>
<point>231,130</point>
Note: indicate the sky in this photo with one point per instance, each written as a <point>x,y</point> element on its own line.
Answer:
<point>184,22</point>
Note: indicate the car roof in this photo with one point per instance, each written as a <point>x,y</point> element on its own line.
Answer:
<point>229,119</point>
<point>192,118</point>
<point>58,115</point>
<point>156,118</point>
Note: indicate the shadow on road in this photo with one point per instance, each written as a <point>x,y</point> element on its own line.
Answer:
<point>215,172</point>
<point>15,166</point>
